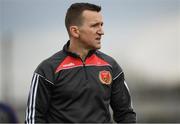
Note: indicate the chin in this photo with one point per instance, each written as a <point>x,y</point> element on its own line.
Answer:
<point>98,47</point>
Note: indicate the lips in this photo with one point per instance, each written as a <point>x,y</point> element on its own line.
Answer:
<point>98,38</point>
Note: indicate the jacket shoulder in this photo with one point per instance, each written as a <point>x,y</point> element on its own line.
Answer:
<point>48,66</point>
<point>106,57</point>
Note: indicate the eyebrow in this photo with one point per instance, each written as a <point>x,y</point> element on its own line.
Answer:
<point>96,23</point>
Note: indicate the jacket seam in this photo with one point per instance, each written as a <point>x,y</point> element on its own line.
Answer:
<point>45,79</point>
<point>117,76</point>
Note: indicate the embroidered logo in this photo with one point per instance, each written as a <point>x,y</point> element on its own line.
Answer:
<point>67,65</point>
<point>105,77</point>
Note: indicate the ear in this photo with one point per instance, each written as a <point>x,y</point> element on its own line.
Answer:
<point>74,31</point>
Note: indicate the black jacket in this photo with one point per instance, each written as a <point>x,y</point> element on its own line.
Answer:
<point>66,89</point>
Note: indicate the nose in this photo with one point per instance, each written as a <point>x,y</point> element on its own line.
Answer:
<point>100,31</point>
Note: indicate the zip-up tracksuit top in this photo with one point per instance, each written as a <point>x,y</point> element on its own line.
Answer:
<point>65,88</point>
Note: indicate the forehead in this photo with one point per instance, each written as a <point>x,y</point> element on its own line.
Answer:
<point>92,16</point>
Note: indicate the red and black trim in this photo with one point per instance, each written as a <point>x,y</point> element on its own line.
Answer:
<point>71,62</point>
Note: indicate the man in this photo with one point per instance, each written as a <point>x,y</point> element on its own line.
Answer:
<point>79,83</point>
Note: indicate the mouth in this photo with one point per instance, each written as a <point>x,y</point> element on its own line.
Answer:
<point>98,38</point>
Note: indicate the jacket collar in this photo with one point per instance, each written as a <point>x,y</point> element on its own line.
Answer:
<point>65,49</point>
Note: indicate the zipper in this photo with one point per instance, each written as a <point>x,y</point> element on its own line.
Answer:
<point>85,71</point>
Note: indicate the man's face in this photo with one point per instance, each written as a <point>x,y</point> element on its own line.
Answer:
<point>91,30</point>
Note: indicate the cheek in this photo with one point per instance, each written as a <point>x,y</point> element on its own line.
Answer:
<point>88,34</point>
<point>91,33</point>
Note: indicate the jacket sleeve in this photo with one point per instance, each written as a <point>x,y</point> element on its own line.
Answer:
<point>38,100</point>
<point>121,100</point>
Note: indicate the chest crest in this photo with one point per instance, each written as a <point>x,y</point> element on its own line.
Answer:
<point>105,77</point>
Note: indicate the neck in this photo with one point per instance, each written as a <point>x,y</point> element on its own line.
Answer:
<point>78,48</point>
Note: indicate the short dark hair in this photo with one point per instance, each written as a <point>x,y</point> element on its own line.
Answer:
<point>74,12</point>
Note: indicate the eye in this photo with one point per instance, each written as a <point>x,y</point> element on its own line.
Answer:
<point>102,24</point>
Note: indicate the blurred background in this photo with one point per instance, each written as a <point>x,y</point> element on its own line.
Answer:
<point>142,35</point>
